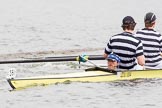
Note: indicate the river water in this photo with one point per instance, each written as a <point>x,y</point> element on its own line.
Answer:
<point>41,28</point>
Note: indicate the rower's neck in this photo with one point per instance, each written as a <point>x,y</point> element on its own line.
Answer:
<point>129,31</point>
<point>150,27</point>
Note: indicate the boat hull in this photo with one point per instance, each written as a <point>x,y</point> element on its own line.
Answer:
<point>90,76</point>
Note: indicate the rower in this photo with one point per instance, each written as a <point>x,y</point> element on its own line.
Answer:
<point>113,61</point>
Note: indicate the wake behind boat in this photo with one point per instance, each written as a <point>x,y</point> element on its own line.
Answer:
<point>92,75</point>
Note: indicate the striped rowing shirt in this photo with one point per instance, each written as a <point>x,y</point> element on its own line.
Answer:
<point>127,47</point>
<point>152,45</point>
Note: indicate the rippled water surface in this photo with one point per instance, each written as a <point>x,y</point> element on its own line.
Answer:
<point>41,28</point>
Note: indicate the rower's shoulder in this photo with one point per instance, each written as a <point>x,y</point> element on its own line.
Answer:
<point>146,31</point>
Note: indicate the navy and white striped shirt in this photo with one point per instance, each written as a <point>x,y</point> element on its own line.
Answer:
<point>152,45</point>
<point>127,47</point>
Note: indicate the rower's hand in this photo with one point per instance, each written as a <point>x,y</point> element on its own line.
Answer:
<point>161,54</point>
<point>82,58</point>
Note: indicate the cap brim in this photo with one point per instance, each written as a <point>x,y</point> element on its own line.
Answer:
<point>111,59</point>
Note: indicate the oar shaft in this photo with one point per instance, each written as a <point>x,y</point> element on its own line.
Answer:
<point>57,59</point>
<point>36,60</point>
<point>91,56</point>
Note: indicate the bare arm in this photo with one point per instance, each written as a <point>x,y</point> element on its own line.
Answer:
<point>105,55</point>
